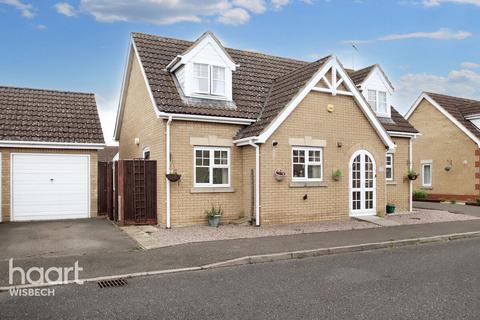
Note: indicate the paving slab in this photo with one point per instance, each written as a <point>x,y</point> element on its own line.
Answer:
<point>379,221</point>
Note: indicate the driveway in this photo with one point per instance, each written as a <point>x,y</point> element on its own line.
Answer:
<point>21,240</point>
<point>454,208</point>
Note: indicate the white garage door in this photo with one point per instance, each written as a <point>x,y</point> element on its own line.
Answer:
<point>50,186</point>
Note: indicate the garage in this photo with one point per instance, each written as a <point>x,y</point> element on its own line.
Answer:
<point>50,186</point>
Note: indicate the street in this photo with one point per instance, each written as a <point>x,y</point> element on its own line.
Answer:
<point>436,281</point>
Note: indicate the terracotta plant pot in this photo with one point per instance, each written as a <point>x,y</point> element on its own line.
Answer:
<point>173,177</point>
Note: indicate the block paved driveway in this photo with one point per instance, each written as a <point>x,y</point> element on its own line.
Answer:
<point>25,240</point>
<point>454,208</point>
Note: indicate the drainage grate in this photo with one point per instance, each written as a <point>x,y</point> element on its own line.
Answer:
<point>112,283</point>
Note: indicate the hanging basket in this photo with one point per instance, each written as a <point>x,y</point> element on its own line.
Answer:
<point>413,177</point>
<point>173,177</point>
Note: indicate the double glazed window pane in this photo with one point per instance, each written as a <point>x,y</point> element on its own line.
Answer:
<point>307,164</point>
<point>372,98</point>
<point>382,101</point>
<point>211,167</point>
<point>299,163</point>
<point>218,80</point>
<point>427,175</point>
<point>200,75</point>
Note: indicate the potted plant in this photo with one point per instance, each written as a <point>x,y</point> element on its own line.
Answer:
<point>280,174</point>
<point>412,175</point>
<point>336,175</point>
<point>214,216</point>
<point>390,208</point>
<point>173,176</point>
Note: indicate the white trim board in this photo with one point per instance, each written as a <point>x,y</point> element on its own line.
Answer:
<point>332,62</point>
<point>425,96</point>
<point>50,145</point>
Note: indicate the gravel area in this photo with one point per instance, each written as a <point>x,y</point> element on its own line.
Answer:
<point>419,216</point>
<point>156,237</point>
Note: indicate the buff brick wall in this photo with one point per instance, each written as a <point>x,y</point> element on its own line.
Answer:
<point>442,141</point>
<point>398,190</point>
<point>187,206</point>
<point>5,164</point>
<point>140,121</point>
<point>248,180</point>
<point>347,125</point>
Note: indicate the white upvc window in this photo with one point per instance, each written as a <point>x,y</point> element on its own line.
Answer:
<point>372,98</point>
<point>389,167</point>
<point>378,101</point>
<point>307,164</point>
<point>382,102</point>
<point>146,153</point>
<point>427,174</point>
<point>209,79</point>
<point>201,78</point>
<point>212,167</point>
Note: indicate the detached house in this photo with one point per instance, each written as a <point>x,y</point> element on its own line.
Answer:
<point>228,120</point>
<point>48,154</point>
<point>447,155</point>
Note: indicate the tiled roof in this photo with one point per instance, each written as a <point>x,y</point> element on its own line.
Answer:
<point>360,75</point>
<point>107,153</point>
<point>283,90</point>
<point>262,85</point>
<point>251,81</point>
<point>459,108</point>
<point>48,116</point>
<point>397,123</point>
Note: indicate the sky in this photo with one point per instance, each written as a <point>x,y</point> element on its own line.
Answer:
<point>81,45</point>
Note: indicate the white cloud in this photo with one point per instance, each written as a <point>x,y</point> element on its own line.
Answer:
<point>40,27</point>
<point>434,3</point>
<point>462,83</point>
<point>66,9</point>
<point>233,12</point>
<point>255,6</point>
<point>234,16</point>
<point>278,4</point>
<point>470,65</point>
<point>441,34</point>
<point>26,9</point>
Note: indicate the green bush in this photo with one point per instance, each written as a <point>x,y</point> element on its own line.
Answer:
<point>478,201</point>
<point>420,195</point>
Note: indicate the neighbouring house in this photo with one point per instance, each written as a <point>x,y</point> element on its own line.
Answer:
<point>48,154</point>
<point>108,154</point>
<point>447,154</point>
<point>273,139</point>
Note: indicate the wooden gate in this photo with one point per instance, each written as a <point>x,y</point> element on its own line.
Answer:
<point>104,198</point>
<point>136,190</point>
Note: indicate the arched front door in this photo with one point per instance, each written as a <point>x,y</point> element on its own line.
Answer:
<point>362,184</point>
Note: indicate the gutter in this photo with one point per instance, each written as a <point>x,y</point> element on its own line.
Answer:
<point>192,117</point>
<point>257,183</point>
<point>167,162</point>
<point>51,145</point>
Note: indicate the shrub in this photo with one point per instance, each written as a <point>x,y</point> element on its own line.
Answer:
<point>420,195</point>
<point>214,212</point>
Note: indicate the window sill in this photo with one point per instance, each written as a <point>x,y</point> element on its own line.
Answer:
<point>391,183</point>
<point>212,190</point>
<point>305,184</point>
<point>426,188</point>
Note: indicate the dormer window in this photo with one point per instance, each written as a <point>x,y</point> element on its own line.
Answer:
<point>378,101</point>
<point>208,79</point>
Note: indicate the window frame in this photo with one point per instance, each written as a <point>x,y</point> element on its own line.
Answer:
<point>427,185</point>
<point>389,166</point>
<point>385,112</point>
<point>211,166</point>
<point>195,77</point>
<point>145,150</point>
<point>209,92</point>
<point>307,164</point>
<point>376,106</point>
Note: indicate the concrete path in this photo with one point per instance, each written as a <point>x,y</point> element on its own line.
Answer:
<point>379,221</point>
<point>202,253</point>
<point>454,208</point>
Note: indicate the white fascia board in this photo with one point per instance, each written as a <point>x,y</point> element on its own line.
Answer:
<point>444,112</point>
<point>50,145</point>
<point>403,134</point>
<point>245,141</point>
<point>193,117</point>
<point>199,46</point>
<point>473,117</point>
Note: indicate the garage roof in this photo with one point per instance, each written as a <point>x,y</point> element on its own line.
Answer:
<point>49,116</point>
